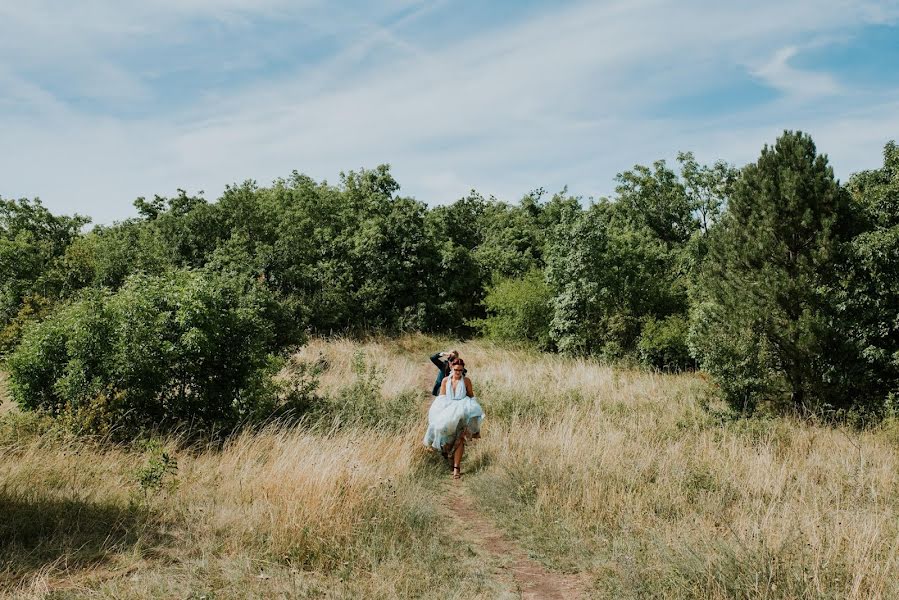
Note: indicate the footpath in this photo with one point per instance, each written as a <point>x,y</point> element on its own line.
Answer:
<point>530,579</point>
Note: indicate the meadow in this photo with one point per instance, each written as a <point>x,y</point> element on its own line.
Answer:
<point>636,484</point>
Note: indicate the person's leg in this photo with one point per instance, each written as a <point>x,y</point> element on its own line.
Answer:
<point>457,455</point>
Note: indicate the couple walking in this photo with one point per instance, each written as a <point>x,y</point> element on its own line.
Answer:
<point>455,415</point>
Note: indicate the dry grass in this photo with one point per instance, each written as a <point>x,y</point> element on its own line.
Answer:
<point>621,475</point>
<point>284,512</point>
<point>6,403</point>
<point>279,512</point>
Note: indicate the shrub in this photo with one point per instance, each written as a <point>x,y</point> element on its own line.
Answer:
<point>519,310</point>
<point>34,308</point>
<point>663,343</point>
<point>186,348</point>
<point>359,401</point>
<point>31,240</point>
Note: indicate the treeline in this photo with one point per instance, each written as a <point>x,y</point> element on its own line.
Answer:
<point>777,280</point>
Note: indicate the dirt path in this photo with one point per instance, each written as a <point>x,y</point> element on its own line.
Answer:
<point>530,579</point>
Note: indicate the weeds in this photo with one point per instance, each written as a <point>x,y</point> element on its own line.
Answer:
<point>158,473</point>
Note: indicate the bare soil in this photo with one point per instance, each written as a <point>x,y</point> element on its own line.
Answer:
<point>530,579</point>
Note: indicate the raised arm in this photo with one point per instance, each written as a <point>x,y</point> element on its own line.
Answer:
<point>435,358</point>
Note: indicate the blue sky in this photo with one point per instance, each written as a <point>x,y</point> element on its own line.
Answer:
<point>102,101</point>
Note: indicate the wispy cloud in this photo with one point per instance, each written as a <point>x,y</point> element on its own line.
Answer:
<point>779,74</point>
<point>557,96</point>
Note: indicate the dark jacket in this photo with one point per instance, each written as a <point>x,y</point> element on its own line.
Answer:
<point>444,369</point>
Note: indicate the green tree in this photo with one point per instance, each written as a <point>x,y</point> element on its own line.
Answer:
<point>190,229</point>
<point>707,188</point>
<point>459,279</point>
<point>519,309</point>
<point>655,199</point>
<point>31,240</point>
<point>622,264</point>
<point>762,321</point>
<point>107,255</point>
<point>509,245</point>
<point>576,277</point>
<point>663,343</point>
<point>184,348</point>
<point>866,369</point>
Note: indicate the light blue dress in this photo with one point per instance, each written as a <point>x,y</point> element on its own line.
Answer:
<point>450,414</point>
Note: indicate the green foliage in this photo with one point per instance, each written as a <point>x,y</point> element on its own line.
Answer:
<point>867,314</point>
<point>158,472</point>
<point>299,382</point>
<point>656,200</point>
<point>342,258</point>
<point>763,327</point>
<point>510,240</point>
<point>31,240</point>
<point>617,263</point>
<point>572,259</point>
<point>185,348</point>
<point>481,242</point>
<point>663,343</point>
<point>34,308</point>
<point>458,278</point>
<point>707,188</point>
<point>360,401</point>
<point>519,310</point>
<point>188,231</point>
<point>106,256</point>
<point>788,282</point>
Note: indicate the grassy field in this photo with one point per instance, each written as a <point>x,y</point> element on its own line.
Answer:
<point>623,477</point>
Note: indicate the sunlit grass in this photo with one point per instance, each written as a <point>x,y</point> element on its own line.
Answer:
<point>621,475</point>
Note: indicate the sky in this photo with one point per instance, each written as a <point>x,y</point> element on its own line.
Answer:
<point>103,101</point>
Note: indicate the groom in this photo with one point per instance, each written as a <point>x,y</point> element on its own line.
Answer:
<point>442,361</point>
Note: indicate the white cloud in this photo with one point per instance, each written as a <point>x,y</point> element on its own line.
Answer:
<point>560,98</point>
<point>779,74</point>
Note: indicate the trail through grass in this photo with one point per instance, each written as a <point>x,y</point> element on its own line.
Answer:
<point>528,579</point>
<point>629,484</point>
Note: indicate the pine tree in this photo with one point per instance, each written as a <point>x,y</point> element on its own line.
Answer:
<point>762,325</point>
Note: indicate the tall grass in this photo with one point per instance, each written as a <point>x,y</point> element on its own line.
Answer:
<point>627,477</point>
<point>6,403</point>
<point>277,512</point>
<point>350,511</point>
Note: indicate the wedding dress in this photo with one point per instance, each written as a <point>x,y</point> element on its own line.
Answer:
<point>451,413</point>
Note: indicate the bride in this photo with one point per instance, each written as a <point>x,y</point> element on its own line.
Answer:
<point>455,416</point>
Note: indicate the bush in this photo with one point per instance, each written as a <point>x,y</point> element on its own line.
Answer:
<point>742,360</point>
<point>186,348</point>
<point>663,343</point>
<point>32,239</point>
<point>518,309</point>
<point>34,308</point>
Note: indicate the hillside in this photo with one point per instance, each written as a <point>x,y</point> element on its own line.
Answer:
<point>619,483</point>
